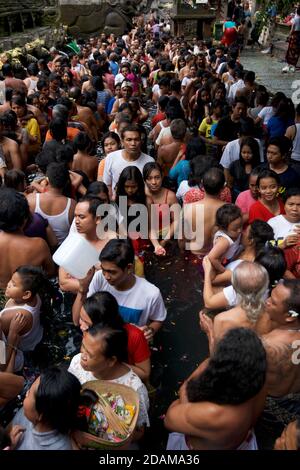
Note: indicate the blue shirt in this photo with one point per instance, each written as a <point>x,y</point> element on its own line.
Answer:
<point>114,67</point>
<point>180,172</point>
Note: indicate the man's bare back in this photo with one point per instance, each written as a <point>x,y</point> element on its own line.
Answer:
<point>283,373</point>
<point>18,250</point>
<point>208,206</point>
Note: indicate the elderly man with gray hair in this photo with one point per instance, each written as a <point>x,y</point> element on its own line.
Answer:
<point>250,283</point>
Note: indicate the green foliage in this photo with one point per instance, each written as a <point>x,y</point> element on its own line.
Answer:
<point>284,7</point>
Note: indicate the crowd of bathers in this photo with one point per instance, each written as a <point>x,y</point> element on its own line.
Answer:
<point>75,137</point>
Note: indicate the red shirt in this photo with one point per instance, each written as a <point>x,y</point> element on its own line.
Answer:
<point>292,258</point>
<point>158,117</point>
<point>138,349</point>
<point>260,212</point>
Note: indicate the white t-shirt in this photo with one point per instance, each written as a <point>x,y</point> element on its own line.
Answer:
<point>282,227</point>
<point>138,305</point>
<point>234,88</point>
<point>231,296</point>
<point>130,379</point>
<point>265,114</point>
<point>119,78</point>
<point>115,164</point>
<point>233,264</point>
<point>165,131</point>
<point>183,188</point>
<point>232,153</point>
<point>185,81</point>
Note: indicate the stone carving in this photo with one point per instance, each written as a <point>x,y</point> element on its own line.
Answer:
<point>85,17</point>
<point>17,16</point>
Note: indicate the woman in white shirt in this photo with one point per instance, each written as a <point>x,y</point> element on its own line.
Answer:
<point>287,227</point>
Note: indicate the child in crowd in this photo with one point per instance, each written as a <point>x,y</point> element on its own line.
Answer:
<point>246,198</point>
<point>49,412</point>
<point>227,239</point>
<point>23,306</point>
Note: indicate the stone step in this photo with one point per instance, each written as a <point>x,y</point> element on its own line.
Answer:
<point>280,48</point>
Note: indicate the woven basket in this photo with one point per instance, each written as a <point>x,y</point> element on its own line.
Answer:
<point>130,397</point>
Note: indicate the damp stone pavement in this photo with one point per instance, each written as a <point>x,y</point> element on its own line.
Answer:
<point>268,73</point>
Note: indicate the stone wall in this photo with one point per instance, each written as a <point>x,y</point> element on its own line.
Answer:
<point>50,35</point>
<point>87,17</point>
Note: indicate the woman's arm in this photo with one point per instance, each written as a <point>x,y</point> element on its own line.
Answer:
<point>211,300</point>
<point>142,369</point>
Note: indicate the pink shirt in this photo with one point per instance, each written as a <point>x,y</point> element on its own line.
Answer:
<point>244,201</point>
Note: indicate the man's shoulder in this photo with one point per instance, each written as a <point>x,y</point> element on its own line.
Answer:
<point>146,158</point>
<point>149,289</point>
<point>113,157</point>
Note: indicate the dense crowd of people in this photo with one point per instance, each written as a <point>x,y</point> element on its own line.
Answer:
<point>163,123</point>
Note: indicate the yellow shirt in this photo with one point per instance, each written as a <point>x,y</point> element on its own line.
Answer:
<point>33,130</point>
<point>205,128</point>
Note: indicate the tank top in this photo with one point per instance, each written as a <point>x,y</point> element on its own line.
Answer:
<point>296,144</point>
<point>32,85</point>
<point>29,340</point>
<point>59,223</point>
<point>162,212</point>
<point>234,246</point>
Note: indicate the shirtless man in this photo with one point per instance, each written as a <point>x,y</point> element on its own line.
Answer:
<point>85,114</point>
<point>10,150</point>
<point>282,343</point>
<point>250,282</point>
<point>203,212</point>
<point>171,149</point>
<point>220,414</point>
<point>15,248</point>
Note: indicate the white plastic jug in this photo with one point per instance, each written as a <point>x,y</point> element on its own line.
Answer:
<point>76,255</point>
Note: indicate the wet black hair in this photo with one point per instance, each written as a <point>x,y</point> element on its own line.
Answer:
<point>93,202</point>
<point>102,307</point>
<point>97,187</point>
<point>131,173</point>
<point>57,398</point>
<point>195,147</point>
<point>33,278</point>
<point>149,167</point>
<point>58,129</point>
<point>267,174</point>
<point>111,135</point>
<point>272,258</point>
<point>116,341</point>
<point>58,175</point>
<point>226,214</point>
<point>260,232</point>
<point>253,144</point>
<point>14,210</point>
<point>235,373</point>
<point>118,251</point>
<point>213,181</point>
<point>293,302</point>
<point>283,143</point>
<point>14,179</point>
<point>291,192</point>
<point>82,142</point>
<point>199,165</point>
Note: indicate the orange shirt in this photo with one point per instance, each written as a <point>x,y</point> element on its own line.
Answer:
<point>72,132</point>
